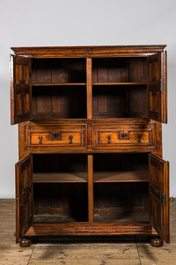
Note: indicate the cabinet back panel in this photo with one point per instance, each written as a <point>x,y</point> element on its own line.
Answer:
<point>58,71</point>
<point>59,163</point>
<point>120,101</point>
<point>119,70</point>
<point>67,200</point>
<point>65,102</point>
<point>120,162</point>
<point>120,198</point>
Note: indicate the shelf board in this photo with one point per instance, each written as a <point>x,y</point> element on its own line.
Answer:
<point>99,177</point>
<point>60,84</point>
<point>121,176</point>
<point>69,177</point>
<point>119,84</point>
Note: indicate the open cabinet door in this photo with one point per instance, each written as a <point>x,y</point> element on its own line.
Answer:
<point>157,87</point>
<point>159,196</point>
<point>24,196</point>
<point>20,89</point>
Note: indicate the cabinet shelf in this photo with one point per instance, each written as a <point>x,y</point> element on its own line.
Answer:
<point>76,177</point>
<point>121,176</point>
<point>59,84</point>
<point>120,84</point>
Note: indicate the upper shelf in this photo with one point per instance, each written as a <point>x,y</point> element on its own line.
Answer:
<point>119,83</point>
<point>59,84</point>
<point>94,84</point>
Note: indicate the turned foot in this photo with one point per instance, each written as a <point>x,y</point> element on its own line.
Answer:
<point>25,242</point>
<point>157,242</point>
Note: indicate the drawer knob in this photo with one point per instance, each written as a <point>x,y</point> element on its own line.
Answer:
<point>70,138</point>
<point>40,139</point>
<point>139,138</point>
<point>109,139</point>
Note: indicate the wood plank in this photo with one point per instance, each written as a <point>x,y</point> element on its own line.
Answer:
<point>75,177</point>
<point>84,228</point>
<point>90,189</point>
<point>119,83</point>
<point>59,84</point>
<point>121,176</point>
<point>89,88</point>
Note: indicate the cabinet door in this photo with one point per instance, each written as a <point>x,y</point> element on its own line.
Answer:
<point>159,196</point>
<point>157,87</point>
<point>20,90</point>
<point>24,196</point>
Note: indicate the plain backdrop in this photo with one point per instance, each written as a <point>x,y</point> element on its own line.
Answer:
<point>81,22</point>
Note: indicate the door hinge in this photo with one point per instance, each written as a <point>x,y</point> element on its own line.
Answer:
<point>161,85</point>
<point>163,198</point>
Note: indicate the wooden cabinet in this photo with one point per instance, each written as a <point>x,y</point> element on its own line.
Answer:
<point>90,140</point>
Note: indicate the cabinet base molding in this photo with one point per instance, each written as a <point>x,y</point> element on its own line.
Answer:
<point>90,229</point>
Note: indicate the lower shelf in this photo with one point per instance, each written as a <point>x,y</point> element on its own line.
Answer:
<point>85,228</point>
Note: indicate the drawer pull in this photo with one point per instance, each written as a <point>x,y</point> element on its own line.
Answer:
<point>139,138</point>
<point>40,139</point>
<point>70,138</point>
<point>55,136</point>
<point>109,139</point>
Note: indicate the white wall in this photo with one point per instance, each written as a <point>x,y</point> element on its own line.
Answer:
<point>82,22</point>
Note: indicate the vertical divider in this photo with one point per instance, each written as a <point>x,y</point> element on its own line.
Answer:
<point>89,87</point>
<point>90,189</point>
<point>30,90</point>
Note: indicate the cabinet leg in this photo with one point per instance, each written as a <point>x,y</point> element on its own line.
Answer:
<point>25,242</point>
<point>157,242</point>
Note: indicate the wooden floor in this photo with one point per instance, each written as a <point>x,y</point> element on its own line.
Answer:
<point>82,250</point>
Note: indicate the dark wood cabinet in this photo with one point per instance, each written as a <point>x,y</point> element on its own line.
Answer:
<point>90,140</point>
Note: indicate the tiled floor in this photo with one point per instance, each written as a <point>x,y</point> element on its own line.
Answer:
<point>82,251</point>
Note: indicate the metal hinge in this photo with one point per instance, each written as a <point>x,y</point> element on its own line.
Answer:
<point>163,198</point>
<point>161,85</point>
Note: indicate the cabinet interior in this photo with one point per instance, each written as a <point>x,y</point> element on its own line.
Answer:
<point>61,187</point>
<point>119,88</point>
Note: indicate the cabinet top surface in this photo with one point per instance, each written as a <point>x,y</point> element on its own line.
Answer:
<point>87,51</point>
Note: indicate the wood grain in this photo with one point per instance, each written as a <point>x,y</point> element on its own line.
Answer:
<point>126,176</point>
<point>77,177</point>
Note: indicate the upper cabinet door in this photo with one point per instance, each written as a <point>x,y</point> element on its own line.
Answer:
<point>157,87</point>
<point>24,196</point>
<point>159,196</point>
<point>20,89</point>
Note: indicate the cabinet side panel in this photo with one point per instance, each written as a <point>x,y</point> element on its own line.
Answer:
<point>23,151</point>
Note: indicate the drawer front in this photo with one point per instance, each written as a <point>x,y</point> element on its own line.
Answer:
<point>57,137</point>
<point>121,136</point>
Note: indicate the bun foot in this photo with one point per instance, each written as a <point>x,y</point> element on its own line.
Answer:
<point>157,242</point>
<point>25,242</point>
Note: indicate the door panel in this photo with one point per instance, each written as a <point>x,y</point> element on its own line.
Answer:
<point>157,87</point>
<point>159,196</point>
<point>24,196</point>
<point>20,89</point>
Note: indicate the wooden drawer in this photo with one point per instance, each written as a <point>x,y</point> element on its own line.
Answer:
<point>63,136</point>
<point>123,135</point>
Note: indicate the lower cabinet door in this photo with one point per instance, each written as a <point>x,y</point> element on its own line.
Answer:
<point>24,196</point>
<point>159,196</point>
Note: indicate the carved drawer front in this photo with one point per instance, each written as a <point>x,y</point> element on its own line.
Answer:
<point>57,137</point>
<point>125,135</point>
